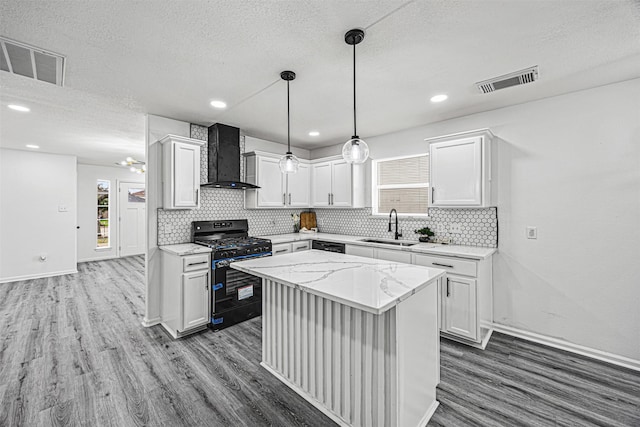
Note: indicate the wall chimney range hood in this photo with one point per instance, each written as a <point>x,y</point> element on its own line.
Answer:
<point>224,158</point>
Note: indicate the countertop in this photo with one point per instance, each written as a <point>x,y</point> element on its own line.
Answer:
<point>185,249</point>
<point>367,284</point>
<point>469,252</point>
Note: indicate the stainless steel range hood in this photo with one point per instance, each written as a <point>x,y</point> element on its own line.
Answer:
<point>224,158</point>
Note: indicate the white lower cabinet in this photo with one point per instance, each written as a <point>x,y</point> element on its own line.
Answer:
<point>459,313</point>
<point>466,298</point>
<point>186,284</point>
<point>281,249</point>
<point>300,246</point>
<point>393,255</point>
<point>379,253</point>
<point>357,250</point>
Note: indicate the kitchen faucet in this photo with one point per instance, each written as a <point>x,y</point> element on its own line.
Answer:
<point>396,234</point>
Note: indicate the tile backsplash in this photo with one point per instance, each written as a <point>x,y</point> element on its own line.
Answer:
<point>479,227</point>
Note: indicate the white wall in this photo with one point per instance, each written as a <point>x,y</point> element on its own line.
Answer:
<point>87,204</point>
<point>569,165</point>
<point>257,144</point>
<point>34,187</point>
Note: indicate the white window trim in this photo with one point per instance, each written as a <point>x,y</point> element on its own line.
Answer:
<point>375,187</point>
<point>109,247</point>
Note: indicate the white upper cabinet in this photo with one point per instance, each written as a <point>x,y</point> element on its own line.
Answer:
<point>338,184</point>
<point>321,176</point>
<point>277,189</point>
<point>460,169</point>
<point>298,187</point>
<point>181,172</point>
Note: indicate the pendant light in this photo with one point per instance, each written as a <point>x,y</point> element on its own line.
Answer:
<point>288,163</point>
<point>355,150</point>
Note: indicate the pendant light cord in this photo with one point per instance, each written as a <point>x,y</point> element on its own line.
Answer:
<point>288,122</point>
<point>355,132</point>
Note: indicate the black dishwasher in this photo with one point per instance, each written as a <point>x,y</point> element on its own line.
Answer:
<point>328,246</point>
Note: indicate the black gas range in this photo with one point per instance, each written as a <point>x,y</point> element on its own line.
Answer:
<point>236,296</point>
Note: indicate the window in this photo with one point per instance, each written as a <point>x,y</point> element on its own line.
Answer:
<point>104,188</point>
<point>401,183</point>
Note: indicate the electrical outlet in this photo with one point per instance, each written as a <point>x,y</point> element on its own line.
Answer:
<point>168,228</point>
<point>441,228</point>
<point>455,228</point>
<point>532,232</point>
<point>63,208</point>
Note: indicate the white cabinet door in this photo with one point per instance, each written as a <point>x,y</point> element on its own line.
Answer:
<point>459,313</point>
<point>394,255</point>
<point>321,182</point>
<point>300,246</point>
<point>456,172</point>
<point>340,184</point>
<point>281,249</point>
<point>195,299</point>
<point>298,185</point>
<point>185,175</point>
<point>270,178</point>
<point>357,250</point>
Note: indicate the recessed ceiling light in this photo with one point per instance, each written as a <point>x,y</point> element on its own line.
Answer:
<point>439,98</point>
<point>32,146</point>
<point>219,104</point>
<point>19,108</point>
<point>314,133</point>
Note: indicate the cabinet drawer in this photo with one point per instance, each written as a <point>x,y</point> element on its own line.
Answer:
<point>281,249</point>
<point>195,262</point>
<point>300,246</point>
<point>451,265</point>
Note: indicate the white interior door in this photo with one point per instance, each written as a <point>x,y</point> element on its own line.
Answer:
<point>132,218</point>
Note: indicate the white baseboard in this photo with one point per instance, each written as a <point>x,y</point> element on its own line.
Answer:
<point>432,410</point>
<point>593,353</point>
<point>100,258</point>
<point>151,322</point>
<point>37,276</point>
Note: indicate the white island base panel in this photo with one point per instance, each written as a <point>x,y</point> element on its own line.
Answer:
<point>359,368</point>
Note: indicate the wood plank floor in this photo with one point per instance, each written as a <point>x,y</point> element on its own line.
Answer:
<point>73,352</point>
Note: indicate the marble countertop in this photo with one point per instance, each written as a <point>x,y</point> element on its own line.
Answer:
<point>185,249</point>
<point>367,284</point>
<point>470,252</point>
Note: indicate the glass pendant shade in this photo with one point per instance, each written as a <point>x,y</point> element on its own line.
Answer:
<point>355,150</point>
<point>289,163</point>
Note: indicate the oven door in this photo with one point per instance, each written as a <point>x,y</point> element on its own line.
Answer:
<point>233,288</point>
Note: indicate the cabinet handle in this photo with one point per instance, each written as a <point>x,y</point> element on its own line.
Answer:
<point>301,247</point>
<point>284,199</point>
<point>329,196</point>
<point>197,196</point>
<point>448,291</point>
<point>196,263</point>
<point>281,250</point>
<point>433,194</point>
<point>442,265</point>
<point>332,199</point>
<point>289,198</point>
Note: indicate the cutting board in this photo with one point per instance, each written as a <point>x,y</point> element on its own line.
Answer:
<point>308,220</point>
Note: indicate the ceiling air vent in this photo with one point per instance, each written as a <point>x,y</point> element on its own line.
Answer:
<point>30,61</point>
<point>528,75</point>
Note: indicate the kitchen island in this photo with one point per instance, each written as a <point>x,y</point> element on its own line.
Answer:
<point>358,338</point>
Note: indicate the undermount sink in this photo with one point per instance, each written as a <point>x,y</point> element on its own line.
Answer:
<point>390,242</point>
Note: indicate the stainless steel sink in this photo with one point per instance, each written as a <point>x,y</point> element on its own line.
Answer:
<point>390,242</point>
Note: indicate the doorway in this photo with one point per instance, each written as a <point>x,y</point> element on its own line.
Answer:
<point>131,218</point>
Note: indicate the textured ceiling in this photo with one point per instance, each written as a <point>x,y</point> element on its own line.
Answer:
<point>170,58</point>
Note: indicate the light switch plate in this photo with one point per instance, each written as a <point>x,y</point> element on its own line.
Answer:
<point>532,232</point>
